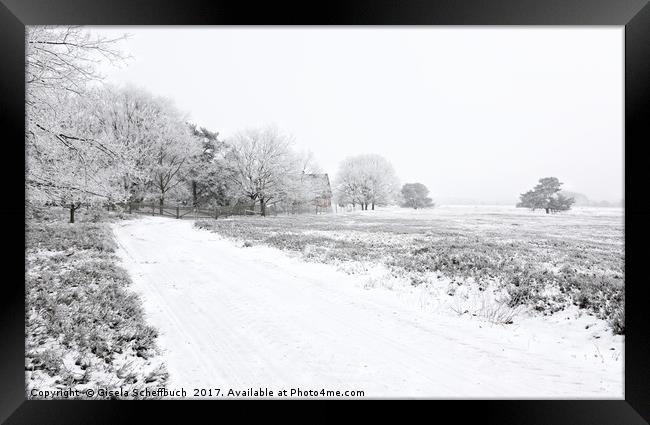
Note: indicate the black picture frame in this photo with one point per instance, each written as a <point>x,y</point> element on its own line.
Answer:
<point>633,14</point>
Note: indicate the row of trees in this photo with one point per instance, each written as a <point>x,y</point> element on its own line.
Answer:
<point>90,143</point>
<point>370,180</point>
<point>113,145</point>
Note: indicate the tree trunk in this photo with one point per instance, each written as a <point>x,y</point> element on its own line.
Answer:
<point>262,207</point>
<point>546,210</point>
<point>162,201</point>
<point>373,206</point>
<point>194,193</point>
<point>253,207</point>
<point>72,208</point>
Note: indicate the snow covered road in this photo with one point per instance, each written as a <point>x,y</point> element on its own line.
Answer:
<point>235,317</point>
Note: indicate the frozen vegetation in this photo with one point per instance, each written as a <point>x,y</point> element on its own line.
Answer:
<point>528,261</point>
<point>234,311</point>
<point>84,328</point>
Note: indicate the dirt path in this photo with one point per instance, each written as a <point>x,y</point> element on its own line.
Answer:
<point>233,317</point>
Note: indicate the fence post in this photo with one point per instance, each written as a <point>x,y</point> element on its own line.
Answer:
<point>177,212</point>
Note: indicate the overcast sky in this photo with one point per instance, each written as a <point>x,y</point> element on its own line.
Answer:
<point>473,112</point>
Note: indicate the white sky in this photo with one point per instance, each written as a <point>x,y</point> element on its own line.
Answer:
<point>471,112</point>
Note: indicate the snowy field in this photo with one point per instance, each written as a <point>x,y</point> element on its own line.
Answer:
<point>236,316</point>
<point>529,260</point>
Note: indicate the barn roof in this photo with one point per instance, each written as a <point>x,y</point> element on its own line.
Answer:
<point>319,182</point>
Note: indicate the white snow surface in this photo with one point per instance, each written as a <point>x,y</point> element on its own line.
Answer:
<point>255,317</point>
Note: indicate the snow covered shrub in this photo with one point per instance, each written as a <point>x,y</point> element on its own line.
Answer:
<point>617,319</point>
<point>578,261</point>
<point>159,374</point>
<point>418,279</point>
<point>78,310</point>
<point>59,236</point>
<point>203,224</point>
<point>496,312</point>
<point>37,211</point>
<point>48,360</point>
<point>95,214</point>
<point>94,271</point>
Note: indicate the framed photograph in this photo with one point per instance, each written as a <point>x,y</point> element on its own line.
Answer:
<point>438,201</point>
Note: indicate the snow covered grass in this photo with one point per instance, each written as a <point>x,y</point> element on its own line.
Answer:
<point>245,316</point>
<point>84,329</point>
<point>524,260</point>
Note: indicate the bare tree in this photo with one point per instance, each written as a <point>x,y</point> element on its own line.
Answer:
<point>174,147</point>
<point>65,58</point>
<point>60,62</point>
<point>261,163</point>
<point>307,162</point>
<point>348,183</point>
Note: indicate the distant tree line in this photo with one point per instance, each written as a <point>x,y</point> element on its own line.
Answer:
<point>90,143</point>
<point>583,201</point>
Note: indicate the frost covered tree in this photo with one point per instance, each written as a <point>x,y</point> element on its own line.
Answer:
<point>367,180</point>
<point>172,153</point>
<point>132,121</point>
<point>348,183</point>
<point>151,138</point>
<point>260,163</point>
<point>415,195</point>
<point>307,162</point>
<point>546,195</point>
<point>88,143</point>
<point>301,185</point>
<point>62,60</point>
<point>67,162</point>
<point>71,171</point>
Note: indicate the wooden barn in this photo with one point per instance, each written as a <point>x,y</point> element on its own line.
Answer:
<point>318,185</point>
